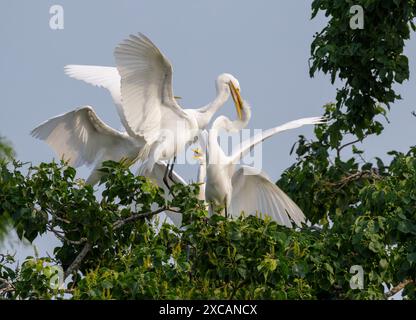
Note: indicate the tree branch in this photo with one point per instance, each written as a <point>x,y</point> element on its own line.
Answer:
<point>352,177</point>
<point>6,286</point>
<point>346,145</point>
<point>77,262</point>
<point>397,288</point>
<point>60,235</point>
<point>119,223</point>
<point>87,247</point>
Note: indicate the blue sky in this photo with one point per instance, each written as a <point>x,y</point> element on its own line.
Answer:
<point>265,44</point>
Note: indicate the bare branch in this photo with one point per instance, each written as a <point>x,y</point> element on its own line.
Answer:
<point>346,145</point>
<point>397,288</point>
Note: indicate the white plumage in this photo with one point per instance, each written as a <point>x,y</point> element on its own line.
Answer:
<point>81,138</point>
<point>247,189</point>
<point>158,128</point>
<point>141,87</point>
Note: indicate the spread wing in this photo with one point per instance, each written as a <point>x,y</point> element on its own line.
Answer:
<point>254,192</point>
<point>146,86</point>
<point>103,77</point>
<point>246,145</point>
<point>80,137</point>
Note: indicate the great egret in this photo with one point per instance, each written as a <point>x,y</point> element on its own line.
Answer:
<point>141,87</point>
<point>232,190</point>
<point>82,138</point>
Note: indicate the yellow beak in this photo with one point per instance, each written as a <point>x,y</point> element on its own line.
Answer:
<point>238,101</point>
<point>197,153</point>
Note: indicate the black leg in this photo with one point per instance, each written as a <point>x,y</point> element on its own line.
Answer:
<point>165,177</point>
<point>226,211</point>
<point>171,170</point>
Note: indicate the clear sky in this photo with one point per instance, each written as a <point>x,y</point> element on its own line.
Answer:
<point>265,44</point>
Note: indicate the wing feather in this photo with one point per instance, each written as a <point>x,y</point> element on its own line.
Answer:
<point>254,192</point>
<point>103,77</point>
<point>146,86</point>
<point>248,144</point>
<point>81,137</point>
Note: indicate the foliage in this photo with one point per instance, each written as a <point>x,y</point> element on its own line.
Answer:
<point>6,154</point>
<point>6,151</point>
<point>368,61</point>
<point>113,247</point>
<point>245,258</point>
<point>369,207</point>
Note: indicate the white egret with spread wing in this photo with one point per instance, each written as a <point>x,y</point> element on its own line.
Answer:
<point>247,189</point>
<point>141,87</point>
<point>82,138</point>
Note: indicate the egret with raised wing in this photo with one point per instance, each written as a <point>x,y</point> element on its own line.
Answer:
<point>230,190</point>
<point>141,88</point>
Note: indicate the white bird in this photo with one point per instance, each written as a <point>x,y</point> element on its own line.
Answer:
<point>247,189</point>
<point>82,138</point>
<point>141,87</point>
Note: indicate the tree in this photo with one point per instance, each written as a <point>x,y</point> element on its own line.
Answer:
<point>365,212</point>
<point>6,154</point>
<point>6,151</point>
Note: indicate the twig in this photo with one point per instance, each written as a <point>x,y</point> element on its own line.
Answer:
<point>346,145</point>
<point>59,235</point>
<point>397,288</point>
<point>352,177</point>
<point>2,257</point>
<point>87,247</point>
<point>62,219</point>
<point>7,287</point>
<point>119,223</point>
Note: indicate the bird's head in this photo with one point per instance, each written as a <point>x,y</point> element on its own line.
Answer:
<point>229,83</point>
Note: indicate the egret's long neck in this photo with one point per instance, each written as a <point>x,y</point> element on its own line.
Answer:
<point>202,172</point>
<point>214,152</point>
<point>225,123</point>
<point>205,114</point>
